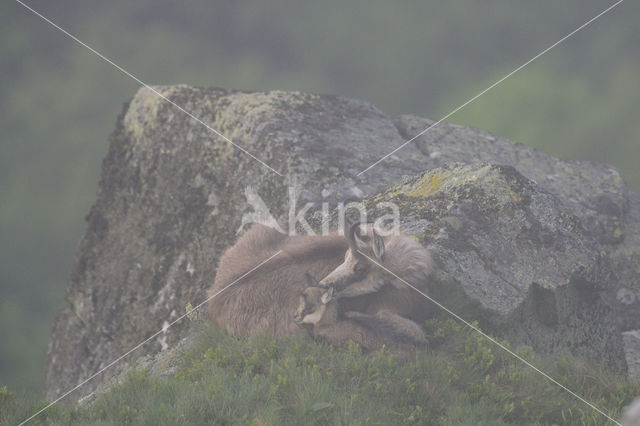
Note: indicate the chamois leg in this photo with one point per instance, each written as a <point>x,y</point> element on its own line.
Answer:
<point>341,333</point>
<point>408,327</point>
<point>400,329</point>
<point>359,289</point>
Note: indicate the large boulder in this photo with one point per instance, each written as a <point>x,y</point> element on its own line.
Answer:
<point>541,277</point>
<point>547,245</point>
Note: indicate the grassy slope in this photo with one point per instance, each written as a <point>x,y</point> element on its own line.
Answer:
<point>462,378</point>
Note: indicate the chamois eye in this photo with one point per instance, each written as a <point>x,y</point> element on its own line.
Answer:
<point>360,267</point>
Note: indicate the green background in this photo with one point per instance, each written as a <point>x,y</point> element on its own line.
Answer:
<point>58,101</point>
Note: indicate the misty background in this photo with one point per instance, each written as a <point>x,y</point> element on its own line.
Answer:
<point>59,102</point>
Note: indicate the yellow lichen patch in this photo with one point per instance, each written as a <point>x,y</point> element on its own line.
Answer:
<point>426,186</point>
<point>78,306</point>
<point>617,233</point>
<point>143,108</point>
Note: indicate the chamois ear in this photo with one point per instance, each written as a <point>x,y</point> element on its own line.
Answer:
<point>327,296</point>
<point>347,226</point>
<point>352,236</point>
<point>378,246</point>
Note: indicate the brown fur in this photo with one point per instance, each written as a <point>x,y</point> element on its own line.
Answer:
<point>359,278</point>
<point>370,332</point>
<point>265,299</point>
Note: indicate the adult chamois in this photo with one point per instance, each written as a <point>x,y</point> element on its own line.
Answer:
<point>265,299</point>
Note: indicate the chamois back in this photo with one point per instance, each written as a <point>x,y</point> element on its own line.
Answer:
<point>266,299</point>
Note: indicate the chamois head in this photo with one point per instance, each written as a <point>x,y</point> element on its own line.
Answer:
<point>357,267</point>
<point>313,302</point>
<point>361,273</point>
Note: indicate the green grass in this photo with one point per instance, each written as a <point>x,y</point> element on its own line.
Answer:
<point>461,379</point>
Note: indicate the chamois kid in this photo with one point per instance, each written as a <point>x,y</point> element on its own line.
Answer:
<point>371,332</point>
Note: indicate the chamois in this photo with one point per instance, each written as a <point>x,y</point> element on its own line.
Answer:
<point>265,298</point>
<point>358,275</point>
<point>370,332</point>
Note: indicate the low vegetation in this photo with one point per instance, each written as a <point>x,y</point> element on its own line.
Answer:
<point>462,379</point>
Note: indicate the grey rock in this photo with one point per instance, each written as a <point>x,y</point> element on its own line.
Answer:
<point>631,340</point>
<point>552,243</point>
<point>516,250</point>
<point>632,414</point>
<point>164,363</point>
<point>592,191</point>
